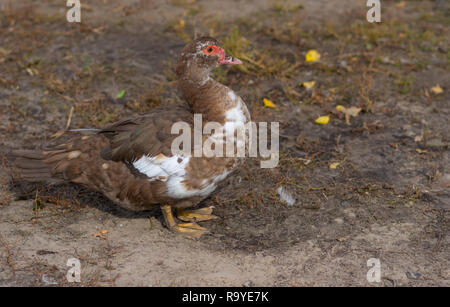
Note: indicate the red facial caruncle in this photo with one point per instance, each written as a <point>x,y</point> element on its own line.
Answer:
<point>223,59</point>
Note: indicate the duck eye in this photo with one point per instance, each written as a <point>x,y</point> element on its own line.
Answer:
<point>209,50</point>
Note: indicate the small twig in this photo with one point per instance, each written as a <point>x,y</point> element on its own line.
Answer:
<point>70,117</point>
<point>69,120</point>
<point>338,141</point>
<point>65,97</point>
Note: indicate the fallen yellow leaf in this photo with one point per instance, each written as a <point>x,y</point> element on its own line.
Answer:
<point>322,120</point>
<point>340,108</point>
<point>334,165</point>
<point>181,24</point>
<point>268,103</point>
<point>421,151</point>
<point>309,84</point>
<point>312,56</point>
<point>437,89</point>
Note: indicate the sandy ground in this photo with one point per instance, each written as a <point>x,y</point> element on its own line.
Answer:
<point>386,200</point>
<point>140,252</point>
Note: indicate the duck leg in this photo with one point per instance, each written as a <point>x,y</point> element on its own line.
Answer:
<point>191,229</point>
<point>203,214</point>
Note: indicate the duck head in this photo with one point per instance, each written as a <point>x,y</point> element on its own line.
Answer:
<point>200,57</point>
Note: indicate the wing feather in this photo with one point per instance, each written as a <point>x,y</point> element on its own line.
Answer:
<point>146,135</point>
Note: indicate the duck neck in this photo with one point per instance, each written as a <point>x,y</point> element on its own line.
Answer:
<point>205,96</point>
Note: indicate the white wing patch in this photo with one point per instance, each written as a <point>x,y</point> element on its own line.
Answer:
<point>177,189</point>
<point>173,171</point>
<point>161,166</point>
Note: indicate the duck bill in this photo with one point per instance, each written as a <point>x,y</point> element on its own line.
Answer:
<point>225,59</point>
<point>230,60</point>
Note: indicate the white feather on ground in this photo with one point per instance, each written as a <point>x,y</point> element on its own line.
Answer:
<point>285,196</point>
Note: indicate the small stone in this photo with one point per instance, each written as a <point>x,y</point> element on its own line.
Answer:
<point>404,61</point>
<point>343,64</point>
<point>350,214</point>
<point>339,220</point>
<point>248,283</point>
<point>47,281</point>
<point>345,203</point>
<point>445,180</point>
<point>413,275</point>
<point>408,130</point>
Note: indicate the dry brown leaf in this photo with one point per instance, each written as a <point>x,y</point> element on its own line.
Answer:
<point>352,111</point>
<point>101,234</point>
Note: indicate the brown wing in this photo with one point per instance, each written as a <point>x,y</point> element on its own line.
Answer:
<point>148,134</point>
